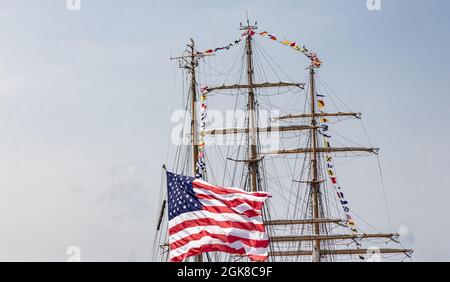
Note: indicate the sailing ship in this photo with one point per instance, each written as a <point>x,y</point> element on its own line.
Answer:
<point>288,149</point>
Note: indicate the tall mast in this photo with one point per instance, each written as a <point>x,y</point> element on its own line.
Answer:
<point>194,143</point>
<point>252,132</point>
<point>315,184</point>
<point>192,64</point>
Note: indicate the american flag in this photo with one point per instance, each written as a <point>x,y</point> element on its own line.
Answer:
<point>207,218</point>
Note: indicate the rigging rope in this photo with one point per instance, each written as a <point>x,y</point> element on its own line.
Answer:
<point>386,205</point>
<point>332,175</point>
<point>226,47</point>
<point>310,54</point>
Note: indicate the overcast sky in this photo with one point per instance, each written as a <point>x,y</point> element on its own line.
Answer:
<point>85,102</point>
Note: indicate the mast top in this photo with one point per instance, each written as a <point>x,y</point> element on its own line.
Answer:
<point>248,26</point>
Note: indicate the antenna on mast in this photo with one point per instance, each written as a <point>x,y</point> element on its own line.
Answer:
<point>248,26</point>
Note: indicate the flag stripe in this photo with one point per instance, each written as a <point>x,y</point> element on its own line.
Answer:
<point>217,209</point>
<point>220,190</point>
<point>211,222</point>
<point>215,216</point>
<point>216,248</point>
<point>211,244</point>
<point>224,238</point>
<point>231,202</point>
<point>241,209</point>
<point>243,233</point>
<point>229,196</point>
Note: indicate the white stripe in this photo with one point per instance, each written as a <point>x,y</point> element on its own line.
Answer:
<point>239,209</point>
<point>236,190</point>
<point>212,203</point>
<point>245,207</point>
<point>216,216</point>
<point>230,231</point>
<point>208,240</point>
<point>229,197</point>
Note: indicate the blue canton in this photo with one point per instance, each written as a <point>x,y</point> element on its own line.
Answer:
<point>181,195</point>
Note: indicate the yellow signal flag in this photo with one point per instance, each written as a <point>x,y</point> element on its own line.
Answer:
<point>321,104</point>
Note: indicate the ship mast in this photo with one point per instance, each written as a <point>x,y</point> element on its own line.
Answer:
<point>190,62</point>
<point>194,143</point>
<point>252,133</point>
<point>315,184</point>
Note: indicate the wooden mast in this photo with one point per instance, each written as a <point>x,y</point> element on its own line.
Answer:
<point>194,143</point>
<point>315,172</point>
<point>252,133</point>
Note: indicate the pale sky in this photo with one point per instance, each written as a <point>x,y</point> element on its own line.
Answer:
<point>86,97</point>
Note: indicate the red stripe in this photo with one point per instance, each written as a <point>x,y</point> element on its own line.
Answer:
<point>217,209</point>
<point>209,221</point>
<point>234,202</point>
<point>225,191</point>
<point>216,248</point>
<point>225,238</point>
